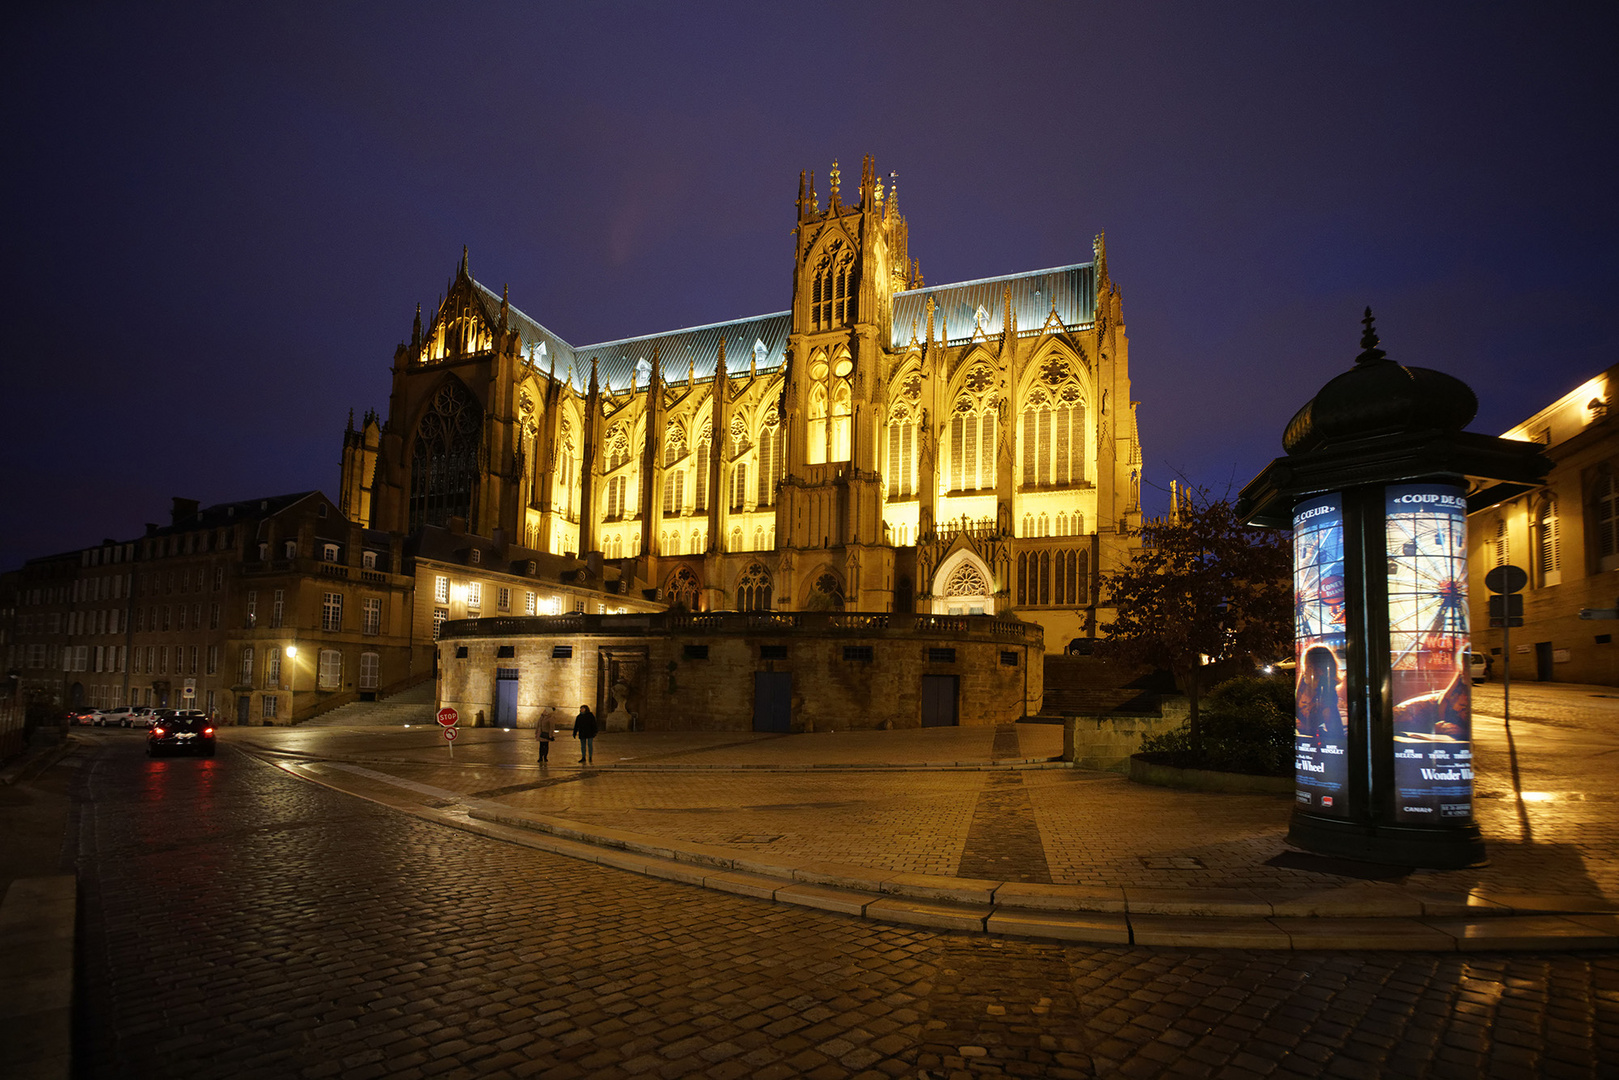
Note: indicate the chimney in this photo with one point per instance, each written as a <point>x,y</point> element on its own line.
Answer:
<point>184,510</point>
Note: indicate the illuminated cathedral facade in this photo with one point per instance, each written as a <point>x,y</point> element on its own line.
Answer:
<point>880,446</point>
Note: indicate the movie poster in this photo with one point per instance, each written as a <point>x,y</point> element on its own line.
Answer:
<point>1320,741</point>
<point>1429,678</point>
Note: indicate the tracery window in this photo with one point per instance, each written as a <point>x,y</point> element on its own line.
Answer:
<point>753,589</point>
<point>674,493</point>
<point>705,451</point>
<point>972,431</point>
<point>832,298</point>
<point>674,443</point>
<point>444,457</point>
<point>966,580</point>
<point>565,467</point>
<point>1053,439</point>
<point>681,589</point>
<point>842,412</point>
<point>816,449</point>
<point>826,594</point>
<point>772,462</point>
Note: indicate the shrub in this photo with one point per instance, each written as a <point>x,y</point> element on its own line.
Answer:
<point>1247,728</point>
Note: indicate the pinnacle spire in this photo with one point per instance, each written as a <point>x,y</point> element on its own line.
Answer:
<point>466,262</point>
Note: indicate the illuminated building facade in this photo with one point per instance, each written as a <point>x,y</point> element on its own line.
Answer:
<point>882,445</point>
<point>1565,535</point>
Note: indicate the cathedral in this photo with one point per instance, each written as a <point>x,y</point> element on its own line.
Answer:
<point>880,446</point>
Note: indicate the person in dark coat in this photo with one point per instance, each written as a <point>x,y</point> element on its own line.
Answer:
<point>584,729</point>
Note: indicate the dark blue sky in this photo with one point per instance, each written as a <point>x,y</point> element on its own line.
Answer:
<point>220,217</point>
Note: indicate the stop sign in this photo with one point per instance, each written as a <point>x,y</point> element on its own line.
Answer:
<point>448,716</point>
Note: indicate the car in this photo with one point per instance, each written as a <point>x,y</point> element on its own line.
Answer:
<point>186,731</point>
<point>142,717</point>
<point>1479,666</point>
<point>117,717</point>
<point>81,716</point>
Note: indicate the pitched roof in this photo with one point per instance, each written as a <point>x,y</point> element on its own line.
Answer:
<point>1068,290</point>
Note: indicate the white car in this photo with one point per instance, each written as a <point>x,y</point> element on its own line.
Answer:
<point>122,716</point>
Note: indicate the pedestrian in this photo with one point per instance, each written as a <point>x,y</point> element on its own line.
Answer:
<point>584,729</point>
<point>543,733</point>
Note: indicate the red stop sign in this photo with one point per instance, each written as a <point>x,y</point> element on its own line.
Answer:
<point>448,716</point>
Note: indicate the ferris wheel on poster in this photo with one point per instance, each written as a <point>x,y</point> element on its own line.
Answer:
<point>1427,588</point>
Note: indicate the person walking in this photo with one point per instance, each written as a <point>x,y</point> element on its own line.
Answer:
<point>584,729</point>
<point>543,733</point>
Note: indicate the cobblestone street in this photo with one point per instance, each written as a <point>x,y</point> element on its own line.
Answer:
<point>238,922</point>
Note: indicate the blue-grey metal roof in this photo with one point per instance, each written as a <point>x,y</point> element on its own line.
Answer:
<point>547,350</point>
<point>1071,289</point>
<point>760,341</point>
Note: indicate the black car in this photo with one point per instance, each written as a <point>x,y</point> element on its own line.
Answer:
<point>184,732</point>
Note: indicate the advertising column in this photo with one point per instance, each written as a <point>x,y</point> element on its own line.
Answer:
<point>1429,678</point>
<point>1320,742</point>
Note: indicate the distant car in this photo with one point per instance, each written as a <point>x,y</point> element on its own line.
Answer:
<point>81,716</point>
<point>122,716</point>
<point>1479,665</point>
<point>142,717</point>
<point>187,731</point>
<point>1081,646</point>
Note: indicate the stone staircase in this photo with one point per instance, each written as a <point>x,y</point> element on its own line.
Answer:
<point>1089,686</point>
<point>413,706</point>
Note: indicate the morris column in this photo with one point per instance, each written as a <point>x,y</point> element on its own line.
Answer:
<point>1375,487</point>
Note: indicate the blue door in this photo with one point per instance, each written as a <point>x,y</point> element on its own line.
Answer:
<point>506,697</point>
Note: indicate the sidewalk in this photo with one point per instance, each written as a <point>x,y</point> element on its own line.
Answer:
<point>979,829</point>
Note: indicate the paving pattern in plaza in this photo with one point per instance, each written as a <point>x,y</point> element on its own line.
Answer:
<point>239,923</point>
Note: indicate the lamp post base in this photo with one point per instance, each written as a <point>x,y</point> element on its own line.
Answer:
<point>1453,848</point>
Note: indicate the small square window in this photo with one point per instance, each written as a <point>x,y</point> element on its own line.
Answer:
<point>772,652</point>
<point>506,652</point>
<point>1604,639</point>
<point>562,652</point>
<point>695,652</point>
<point>460,652</point>
<point>857,653</point>
<point>941,656</point>
<point>1009,659</point>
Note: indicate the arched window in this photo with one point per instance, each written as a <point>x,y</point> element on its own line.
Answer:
<point>1045,526</point>
<point>972,431</point>
<point>674,443</point>
<point>772,463</point>
<point>815,451</point>
<point>1500,541</point>
<point>696,542</point>
<point>1548,564</point>
<point>444,458</point>
<point>826,594</point>
<point>832,295</point>
<point>681,590</point>
<point>674,493</point>
<point>842,411</point>
<point>1053,438</point>
<point>901,466</point>
<point>565,467</point>
<point>705,450</point>
<point>753,589</point>
<point>758,538</point>
<point>736,539</point>
<point>739,486</point>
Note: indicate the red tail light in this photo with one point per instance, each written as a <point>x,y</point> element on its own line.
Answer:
<point>207,731</point>
<point>158,732</point>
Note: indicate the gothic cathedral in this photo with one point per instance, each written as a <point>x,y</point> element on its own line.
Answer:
<point>882,446</point>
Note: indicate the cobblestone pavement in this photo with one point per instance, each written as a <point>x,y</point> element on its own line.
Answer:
<point>1544,796</point>
<point>237,922</point>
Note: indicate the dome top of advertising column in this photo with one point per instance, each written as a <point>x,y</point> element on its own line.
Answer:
<point>1379,397</point>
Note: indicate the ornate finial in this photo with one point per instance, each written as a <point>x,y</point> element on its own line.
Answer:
<point>834,180</point>
<point>416,330</point>
<point>466,262</point>
<point>351,418</point>
<point>1369,351</point>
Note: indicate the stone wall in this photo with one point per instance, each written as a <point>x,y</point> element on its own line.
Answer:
<point>679,672</point>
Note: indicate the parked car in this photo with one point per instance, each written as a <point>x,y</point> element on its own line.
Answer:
<point>142,717</point>
<point>81,716</point>
<point>1479,665</point>
<point>118,717</point>
<point>186,731</point>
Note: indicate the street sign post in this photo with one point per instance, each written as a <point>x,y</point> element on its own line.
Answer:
<point>1505,583</point>
<point>449,734</point>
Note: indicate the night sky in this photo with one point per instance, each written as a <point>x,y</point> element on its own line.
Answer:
<point>220,217</point>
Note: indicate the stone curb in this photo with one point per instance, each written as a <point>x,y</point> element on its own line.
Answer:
<point>1211,918</point>
<point>1021,764</point>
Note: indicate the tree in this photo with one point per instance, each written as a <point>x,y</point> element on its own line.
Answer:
<point>1202,585</point>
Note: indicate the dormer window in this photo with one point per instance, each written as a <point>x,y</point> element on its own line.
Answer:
<point>475,556</point>
<point>369,560</point>
<point>328,552</point>
<point>290,549</point>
